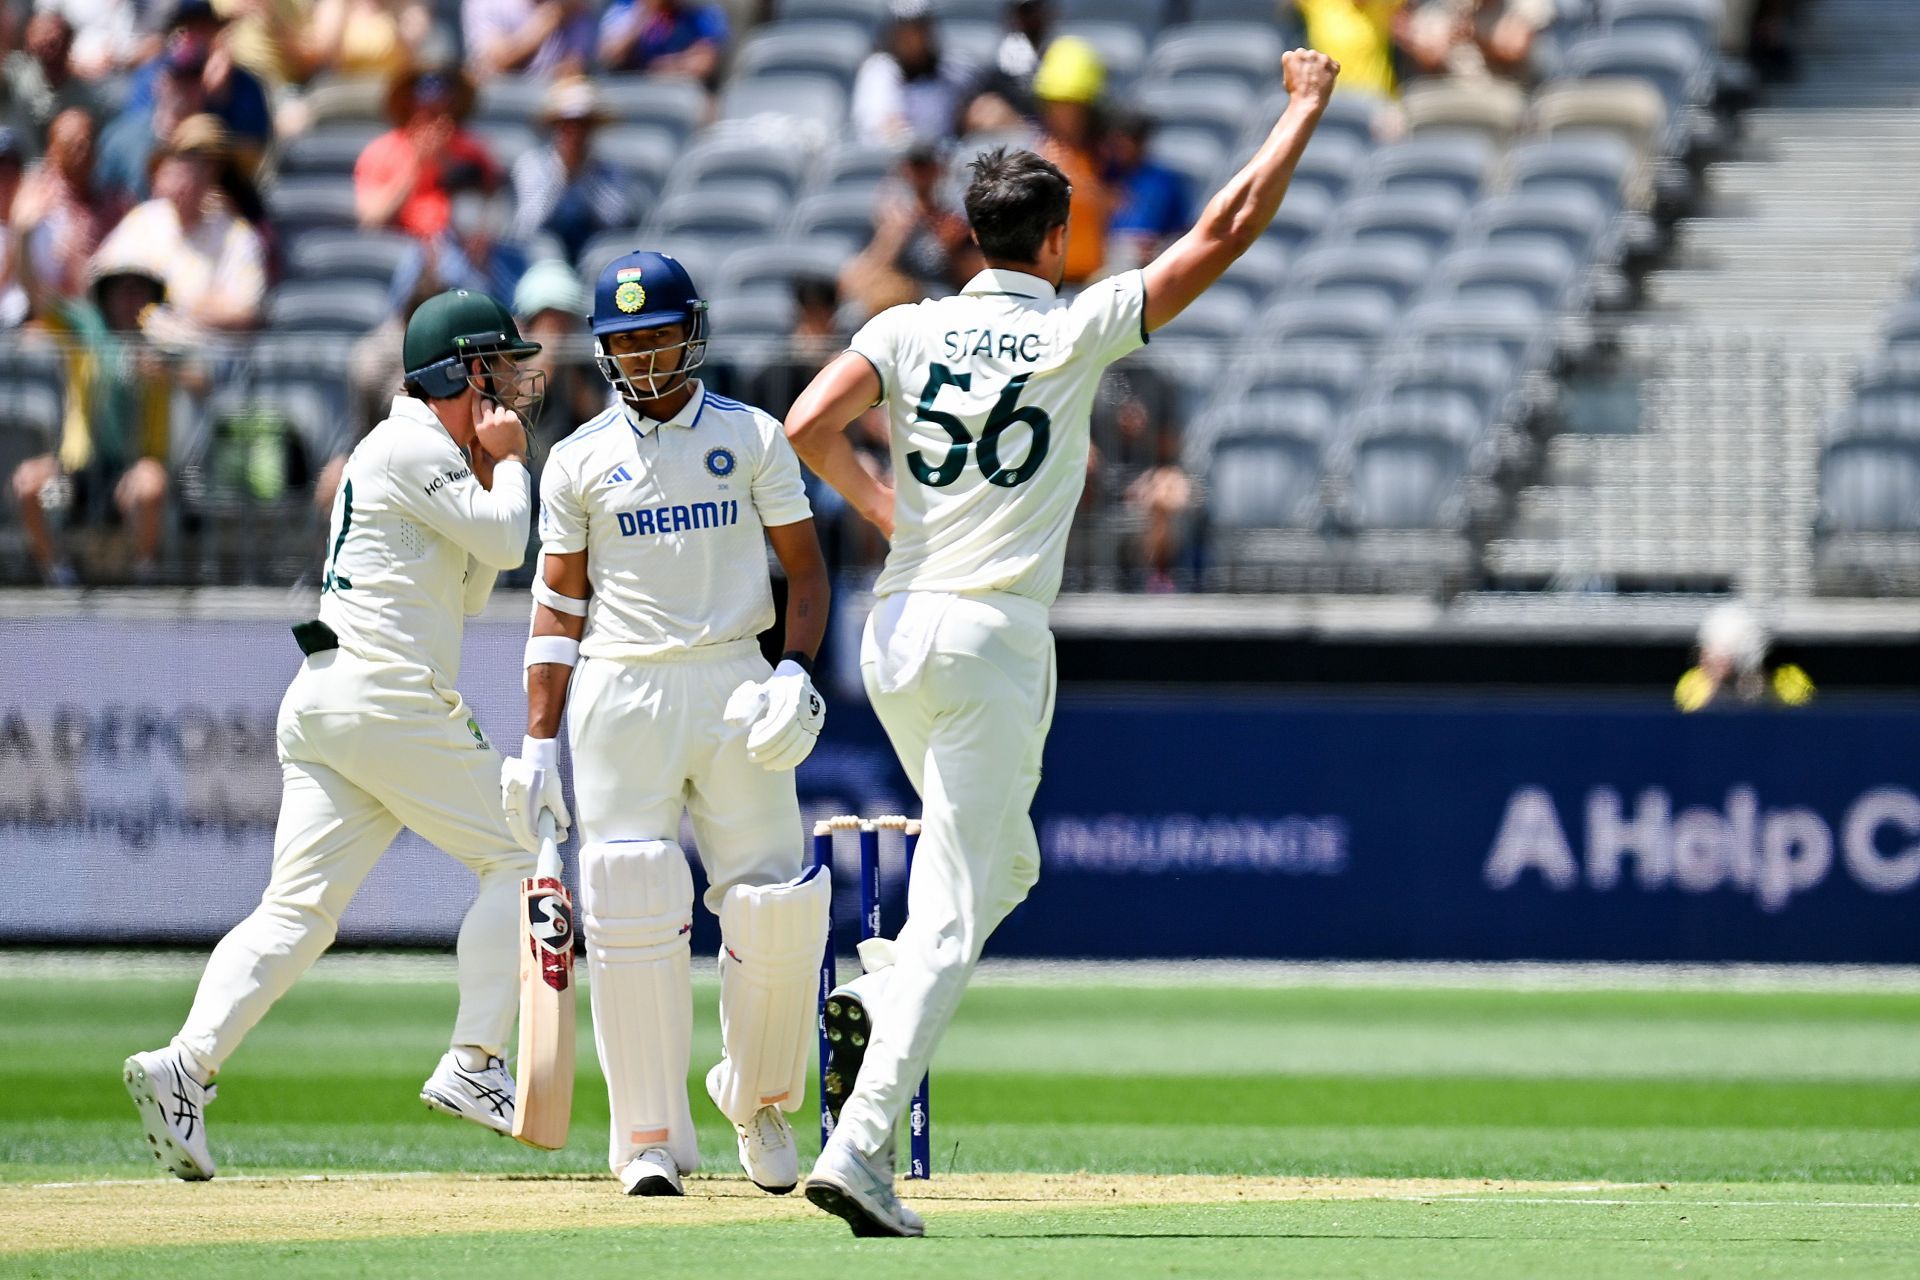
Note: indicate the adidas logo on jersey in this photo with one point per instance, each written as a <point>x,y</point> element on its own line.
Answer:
<point>620,475</point>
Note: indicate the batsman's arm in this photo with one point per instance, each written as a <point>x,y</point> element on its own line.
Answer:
<point>798,547</point>
<point>817,428</point>
<point>1239,213</point>
<point>565,577</point>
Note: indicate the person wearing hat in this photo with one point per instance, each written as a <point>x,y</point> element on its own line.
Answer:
<point>552,304</point>
<point>655,522</point>
<point>908,89</point>
<point>406,176</point>
<point>1732,671</point>
<point>213,260</point>
<point>1068,86</point>
<point>560,188</point>
<point>373,733</point>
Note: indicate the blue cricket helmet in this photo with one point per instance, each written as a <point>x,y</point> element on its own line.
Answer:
<point>646,290</point>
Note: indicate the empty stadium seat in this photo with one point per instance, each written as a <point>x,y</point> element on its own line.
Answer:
<point>1243,52</point>
<point>1121,45</point>
<point>515,99</point>
<point>1870,485</point>
<point>810,99</point>
<point>1540,274</point>
<point>1263,480</point>
<point>1460,161</point>
<point>972,41</point>
<point>1303,214</point>
<point>1350,113</point>
<point>856,167</point>
<point>669,102</point>
<point>505,140</point>
<point>1699,20</point>
<point>645,153</point>
<point>1453,323</point>
<point>1267,13</point>
<point>737,162</point>
<point>297,203</point>
<point>327,306</point>
<point>1903,326</point>
<point>1143,15</point>
<point>1604,165</point>
<point>808,48</point>
<point>1392,272</point>
<point>748,317</point>
<point>1631,108</point>
<point>1343,319</point>
<point>1328,164</point>
<point>1216,105</point>
<point>1196,154</point>
<point>1493,108</point>
<point>772,268</point>
<point>331,149</point>
<point>1217,317</point>
<point>842,216</point>
<point>1258,273</point>
<point>720,209</point>
<point>1572,217</point>
<point>326,254</point>
<point>1668,60</point>
<point>1329,373</point>
<point>1406,481</point>
<point>866,14</point>
<point>1483,376</point>
<point>1427,221</point>
<point>1442,413</point>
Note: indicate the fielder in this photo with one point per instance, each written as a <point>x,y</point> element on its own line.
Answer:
<point>373,735</point>
<point>654,523</point>
<point>988,393</point>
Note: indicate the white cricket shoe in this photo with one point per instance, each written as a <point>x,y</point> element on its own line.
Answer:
<point>849,1027</point>
<point>652,1173</point>
<point>172,1106</point>
<point>767,1149</point>
<point>850,1186</point>
<point>484,1097</point>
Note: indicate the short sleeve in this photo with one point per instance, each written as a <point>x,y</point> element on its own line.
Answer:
<point>878,343</point>
<point>779,494</point>
<point>711,24</point>
<point>243,266</point>
<point>563,517</point>
<point>380,161</point>
<point>1110,317</point>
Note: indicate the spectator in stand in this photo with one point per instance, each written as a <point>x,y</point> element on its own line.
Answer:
<point>59,216</point>
<point>196,38</point>
<point>560,189</point>
<point>664,37</point>
<point>111,462</point>
<point>1152,206</point>
<point>921,245</point>
<point>1361,35</point>
<point>124,160</point>
<point>107,34</point>
<point>472,252</point>
<point>40,81</point>
<point>404,177</point>
<point>1003,93</point>
<point>1476,39</point>
<point>551,305</point>
<point>265,37</point>
<point>212,260</point>
<point>908,90</point>
<point>1067,87</point>
<point>13,236</point>
<point>363,37</point>
<point>1135,458</point>
<point>815,339</point>
<point>1732,671</point>
<point>528,37</point>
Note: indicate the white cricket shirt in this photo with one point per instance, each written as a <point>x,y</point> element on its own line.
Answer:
<point>414,542</point>
<point>988,394</point>
<point>671,515</point>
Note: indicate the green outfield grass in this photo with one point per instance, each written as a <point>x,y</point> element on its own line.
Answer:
<point>1784,1125</point>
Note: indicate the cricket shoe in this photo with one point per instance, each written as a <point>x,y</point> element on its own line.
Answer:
<point>850,1186</point>
<point>767,1150</point>
<point>849,1028</point>
<point>484,1097</point>
<point>172,1106</point>
<point>652,1173</point>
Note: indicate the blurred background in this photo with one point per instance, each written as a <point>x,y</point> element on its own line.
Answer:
<point>1575,390</point>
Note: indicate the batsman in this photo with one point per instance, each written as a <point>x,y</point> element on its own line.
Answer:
<point>654,524</point>
<point>373,734</point>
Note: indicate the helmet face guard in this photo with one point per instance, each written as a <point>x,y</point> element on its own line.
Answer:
<point>500,380</point>
<point>637,376</point>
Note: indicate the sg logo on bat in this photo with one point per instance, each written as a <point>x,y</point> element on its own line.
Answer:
<point>550,929</point>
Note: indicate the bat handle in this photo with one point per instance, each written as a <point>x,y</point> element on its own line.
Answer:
<point>548,867</point>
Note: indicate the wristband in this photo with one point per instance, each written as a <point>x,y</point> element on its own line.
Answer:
<point>799,660</point>
<point>562,651</point>
<point>541,753</point>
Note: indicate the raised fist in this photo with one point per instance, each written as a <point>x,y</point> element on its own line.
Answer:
<point>1309,76</point>
<point>500,432</point>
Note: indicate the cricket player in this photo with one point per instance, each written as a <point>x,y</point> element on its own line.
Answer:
<point>374,736</point>
<point>988,394</point>
<point>654,524</point>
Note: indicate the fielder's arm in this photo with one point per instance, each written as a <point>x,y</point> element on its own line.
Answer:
<point>1240,212</point>
<point>565,576</point>
<point>817,428</point>
<point>798,548</point>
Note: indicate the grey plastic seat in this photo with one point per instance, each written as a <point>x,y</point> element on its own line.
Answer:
<point>808,48</point>
<point>327,306</point>
<point>1350,113</point>
<point>1888,372</point>
<point>1406,481</point>
<point>1244,52</point>
<point>1258,274</point>
<point>668,102</point>
<point>326,254</point>
<point>773,268</point>
<point>855,166</point>
<point>973,41</point>
<point>1595,162</point>
<point>1426,221</point>
<point>1441,413</point>
<point>1870,485</point>
<point>1888,414</point>
<point>330,149</point>
<point>1329,165</point>
<point>1391,272</point>
<point>1263,480</point>
<point>1216,105</point>
<point>1539,274</point>
<point>1264,12</point>
<point>1198,155</point>
<point>993,11</point>
<point>1143,15</point>
<point>741,162</point>
<point>1698,20</point>
<point>762,314</point>
<point>1902,329</point>
<point>1340,319</point>
<point>721,209</point>
<point>1218,317</point>
<point>700,254</point>
<point>810,98</point>
<point>306,201</point>
<point>644,151</point>
<point>1122,46</point>
<point>1668,60</point>
<point>505,140</point>
<point>1328,372</point>
<point>509,97</point>
<point>1484,376</point>
<point>1572,217</point>
<point>866,14</point>
<point>1453,323</point>
<point>1304,214</point>
<point>331,98</point>
<point>1460,161</point>
<point>845,217</point>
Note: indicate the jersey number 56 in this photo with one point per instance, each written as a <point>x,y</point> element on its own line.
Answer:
<point>1006,411</point>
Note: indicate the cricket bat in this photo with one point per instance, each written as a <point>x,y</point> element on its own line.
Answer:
<point>545,1084</point>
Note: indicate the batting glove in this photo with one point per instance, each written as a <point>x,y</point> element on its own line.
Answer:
<point>782,716</point>
<point>529,785</point>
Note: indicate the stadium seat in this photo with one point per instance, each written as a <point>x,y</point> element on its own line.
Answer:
<point>772,268</point>
<point>1452,323</point>
<point>1391,272</point>
<point>1699,20</point>
<point>1121,45</point>
<point>509,98</point>
<point>1329,373</point>
<point>842,216</point>
<point>331,98</point>
<point>1217,318</point>
<point>737,162</point>
<point>865,14</point>
<point>297,203</point>
<point>1216,105</point>
<point>1239,51</point>
<point>1883,414</point>
<point>325,254</point>
<point>720,209</point>
<point>1483,376</point>
<point>1350,113</point>
<point>505,140</point>
<point>1870,485</point>
<point>1453,159</point>
<point>1257,274</point>
<point>1409,480</point>
<point>750,317</point>
<point>644,152</point>
<point>1147,16</point>
<point>1342,319</point>
<point>1902,329</point>
<point>1196,154</point>
<point>971,41</point>
<point>33,385</point>
<point>1442,413</point>
<point>1540,274</point>
<point>1492,108</point>
<point>806,48</point>
<point>855,167</point>
<point>1633,109</point>
<point>331,149</point>
<point>1572,217</point>
<point>1263,480</point>
<point>669,102</point>
<point>1427,221</point>
<point>1329,165</point>
<point>1266,13</point>
<point>326,306</point>
<point>1304,214</point>
<point>993,11</point>
<point>1668,60</point>
<point>812,99</point>
<point>1888,372</point>
<point>1599,163</point>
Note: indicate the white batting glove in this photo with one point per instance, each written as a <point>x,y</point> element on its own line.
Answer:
<point>782,716</point>
<point>529,785</point>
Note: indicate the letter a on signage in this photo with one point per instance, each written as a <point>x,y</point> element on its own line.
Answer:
<point>1531,837</point>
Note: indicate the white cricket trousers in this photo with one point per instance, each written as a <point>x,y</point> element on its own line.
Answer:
<point>366,749</point>
<point>964,686</point>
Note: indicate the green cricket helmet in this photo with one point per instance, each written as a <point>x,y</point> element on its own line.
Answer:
<point>450,330</point>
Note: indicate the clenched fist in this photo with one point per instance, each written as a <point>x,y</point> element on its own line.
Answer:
<point>500,431</point>
<point>1309,77</point>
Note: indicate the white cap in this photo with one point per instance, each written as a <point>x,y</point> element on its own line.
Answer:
<point>1734,630</point>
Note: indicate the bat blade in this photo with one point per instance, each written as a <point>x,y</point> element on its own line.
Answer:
<point>547,1001</point>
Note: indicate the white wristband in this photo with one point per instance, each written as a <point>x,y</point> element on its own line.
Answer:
<point>546,595</point>
<point>559,650</point>
<point>541,753</point>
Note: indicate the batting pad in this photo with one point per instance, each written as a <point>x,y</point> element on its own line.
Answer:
<point>772,937</point>
<point>637,907</point>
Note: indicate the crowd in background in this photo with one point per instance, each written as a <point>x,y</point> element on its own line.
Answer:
<point>136,140</point>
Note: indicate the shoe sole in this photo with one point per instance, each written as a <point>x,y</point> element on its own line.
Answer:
<point>842,1205</point>
<point>167,1149</point>
<point>655,1185</point>
<point>777,1191</point>
<point>847,1032</point>
<point>447,1107</point>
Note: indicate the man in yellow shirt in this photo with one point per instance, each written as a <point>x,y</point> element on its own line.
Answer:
<point>1359,35</point>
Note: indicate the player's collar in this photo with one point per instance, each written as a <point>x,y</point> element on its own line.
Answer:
<point>407,409</point>
<point>995,282</point>
<point>689,412</point>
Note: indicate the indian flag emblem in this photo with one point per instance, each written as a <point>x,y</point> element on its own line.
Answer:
<point>630,296</point>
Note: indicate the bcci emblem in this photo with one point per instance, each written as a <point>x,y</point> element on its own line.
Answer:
<point>720,462</point>
<point>630,296</point>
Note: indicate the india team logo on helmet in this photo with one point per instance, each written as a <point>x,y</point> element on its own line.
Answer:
<point>643,290</point>
<point>629,294</point>
<point>721,462</point>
